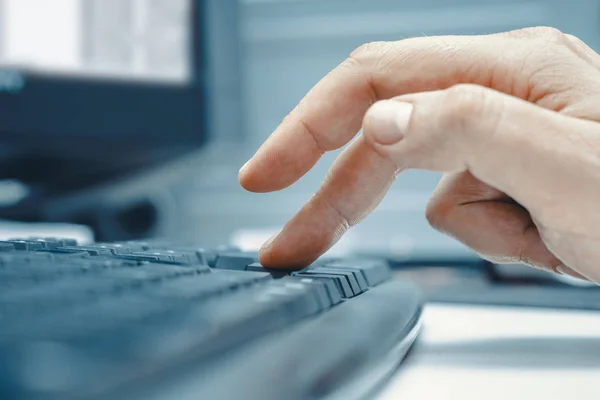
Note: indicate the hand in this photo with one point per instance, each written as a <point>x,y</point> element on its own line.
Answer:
<point>511,119</point>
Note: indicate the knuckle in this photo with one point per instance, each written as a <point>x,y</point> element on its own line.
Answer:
<point>368,58</point>
<point>547,33</point>
<point>463,106</point>
<point>368,51</point>
<point>573,38</point>
<point>352,63</point>
<point>436,213</point>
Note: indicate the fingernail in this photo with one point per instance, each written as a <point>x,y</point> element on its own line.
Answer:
<point>389,121</point>
<point>244,166</point>
<point>270,241</point>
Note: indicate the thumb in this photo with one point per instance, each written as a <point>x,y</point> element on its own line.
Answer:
<point>540,158</point>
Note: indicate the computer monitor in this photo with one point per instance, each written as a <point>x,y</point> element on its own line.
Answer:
<point>90,87</point>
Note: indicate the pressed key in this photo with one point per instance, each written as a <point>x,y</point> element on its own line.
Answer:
<point>275,273</point>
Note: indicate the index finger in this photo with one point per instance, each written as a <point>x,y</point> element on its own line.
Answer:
<point>331,114</point>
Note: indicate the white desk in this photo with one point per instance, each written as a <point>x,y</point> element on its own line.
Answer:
<point>467,352</point>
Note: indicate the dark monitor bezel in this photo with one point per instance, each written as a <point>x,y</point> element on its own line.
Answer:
<point>61,115</point>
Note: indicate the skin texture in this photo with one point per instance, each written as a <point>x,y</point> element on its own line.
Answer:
<point>511,119</point>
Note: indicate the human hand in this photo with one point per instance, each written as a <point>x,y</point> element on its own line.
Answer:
<point>511,119</point>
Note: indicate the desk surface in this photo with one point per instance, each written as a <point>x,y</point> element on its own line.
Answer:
<point>467,352</point>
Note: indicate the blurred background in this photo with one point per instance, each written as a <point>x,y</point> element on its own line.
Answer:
<point>133,117</point>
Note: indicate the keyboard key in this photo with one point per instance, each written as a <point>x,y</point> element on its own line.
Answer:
<point>99,263</point>
<point>68,241</point>
<point>146,274</point>
<point>340,281</point>
<point>48,243</point>
<point>330,285</point>
<point>196,255</point>
<point>64,253</point>
<point>348,276</point>
<point>205,285</point>
<point>236,261</point>
<point>136,245</point>
<point>148,256</point>
<point>320,291</point>
<point>300,299</point>
<point>75,289</point>
<point>374,271</point>
<point>26,244</point>
<point>93,250</point>
<point>170,255</point>
<point>5,247</point>
<point>360,279</point>
<point>51,242</point>
<point>114,248</point>
<point>180,252</point>
<point>275,273</point>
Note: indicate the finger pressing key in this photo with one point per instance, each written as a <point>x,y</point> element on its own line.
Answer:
<point>356,183</point>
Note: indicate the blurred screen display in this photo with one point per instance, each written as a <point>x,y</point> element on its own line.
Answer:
<point>124,39</point>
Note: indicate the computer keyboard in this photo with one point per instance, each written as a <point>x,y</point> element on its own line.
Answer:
<point>162,320</point>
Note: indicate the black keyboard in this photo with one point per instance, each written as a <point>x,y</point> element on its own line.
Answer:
<point>157,320</point>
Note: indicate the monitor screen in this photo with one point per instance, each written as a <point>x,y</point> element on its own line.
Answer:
<point>148,40</point>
